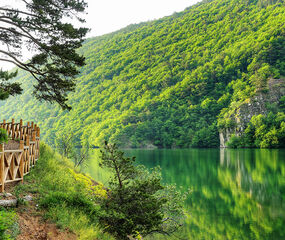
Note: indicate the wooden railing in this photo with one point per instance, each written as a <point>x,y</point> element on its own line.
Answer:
<point>16,163</point>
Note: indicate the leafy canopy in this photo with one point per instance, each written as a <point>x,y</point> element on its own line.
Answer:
<point>41,27</point>
<point>165,83</point>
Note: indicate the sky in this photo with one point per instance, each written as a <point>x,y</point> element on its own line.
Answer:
<point>105,16</point>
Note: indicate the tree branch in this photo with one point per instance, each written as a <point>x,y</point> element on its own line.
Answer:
<point>14,31</point>
<point>24,66</point>
<point>18,11</point>
<point>26,32</point>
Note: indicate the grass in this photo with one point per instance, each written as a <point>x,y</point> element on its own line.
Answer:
<point>67,197</point>
<point>8,225</point>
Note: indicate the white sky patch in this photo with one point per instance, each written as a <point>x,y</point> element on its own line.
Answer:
<point>105,16</point>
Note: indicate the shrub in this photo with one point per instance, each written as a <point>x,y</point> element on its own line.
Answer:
<point>234,142</point>
<point>3,136</point>
<point>7,220</point>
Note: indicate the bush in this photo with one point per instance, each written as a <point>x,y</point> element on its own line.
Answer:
<point>206,137</point>
<point>7,220</point>
<point>3,136</point>
<point>234,142</point>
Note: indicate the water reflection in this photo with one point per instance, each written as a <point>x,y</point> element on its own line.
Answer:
<point>237,194</point>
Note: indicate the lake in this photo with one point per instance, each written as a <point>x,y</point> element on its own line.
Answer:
<point>236,194</point>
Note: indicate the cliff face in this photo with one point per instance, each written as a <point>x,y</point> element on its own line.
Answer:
<point>262,103</point>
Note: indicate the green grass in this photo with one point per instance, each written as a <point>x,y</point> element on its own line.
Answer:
<point>8,225</point>
<point>67,197</point>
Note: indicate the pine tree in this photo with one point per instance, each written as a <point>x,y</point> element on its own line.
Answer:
<point>41,26</point>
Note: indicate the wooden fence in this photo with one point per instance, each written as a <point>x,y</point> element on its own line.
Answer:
<point>16,163</point>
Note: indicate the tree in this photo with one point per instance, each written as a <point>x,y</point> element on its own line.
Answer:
<point>41,26</point>
<point>64,144</point>
<point>137,202</point>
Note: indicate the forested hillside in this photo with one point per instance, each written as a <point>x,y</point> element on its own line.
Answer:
<point>164,83</point>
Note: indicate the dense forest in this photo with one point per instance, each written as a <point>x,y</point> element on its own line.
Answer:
<point>172,82</point>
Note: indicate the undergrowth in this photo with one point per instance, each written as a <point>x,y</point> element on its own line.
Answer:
<point>67,197</point>
<point>8,225</point>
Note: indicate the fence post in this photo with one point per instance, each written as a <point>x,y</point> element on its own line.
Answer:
<point>28,156</point>
<point>22,160</point>
<point>38,133</point>
<point>2,167</point>
<point>13,131</point>
<point>34,136</point>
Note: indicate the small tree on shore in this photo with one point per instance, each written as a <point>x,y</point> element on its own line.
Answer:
<point>137,203</point>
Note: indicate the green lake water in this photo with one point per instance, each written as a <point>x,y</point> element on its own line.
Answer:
<point>236,194</point>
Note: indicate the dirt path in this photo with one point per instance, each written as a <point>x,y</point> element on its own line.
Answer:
<point>33,227</point>
<point>31,224</point>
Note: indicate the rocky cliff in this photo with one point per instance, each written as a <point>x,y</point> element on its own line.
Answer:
<point>262,103</point>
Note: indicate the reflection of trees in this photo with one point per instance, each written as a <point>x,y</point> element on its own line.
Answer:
<point>238,194</point>
<point>258,172</point>
<point>254,179</point>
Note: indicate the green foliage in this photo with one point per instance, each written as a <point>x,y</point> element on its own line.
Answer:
<point>42,28</point>
<point>206,137</point>
<point>282,104</point>
<point>234,142</point>
<point>7,220</point>
<point>3,136</point>
<point>66,196</point>
<point>7,88</point>
<point>64,143</point>
<point>262,132</point>
<point>157,84</point>
<point>137,201</point>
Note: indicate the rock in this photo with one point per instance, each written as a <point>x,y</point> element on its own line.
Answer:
<point>252,107</point>
<point>6,195</point>
<point>8,203</point>
<point>28,198</point>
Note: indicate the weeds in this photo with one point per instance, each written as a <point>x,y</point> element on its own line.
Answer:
<point>66,197</point>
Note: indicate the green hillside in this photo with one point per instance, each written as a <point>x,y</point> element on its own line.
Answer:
<point>165,82</point>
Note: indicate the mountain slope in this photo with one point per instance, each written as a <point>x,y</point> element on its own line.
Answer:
<point>164,82</point>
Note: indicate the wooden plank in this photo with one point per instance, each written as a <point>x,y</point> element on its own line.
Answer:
<point>14,180</point>
<point>14,151</point>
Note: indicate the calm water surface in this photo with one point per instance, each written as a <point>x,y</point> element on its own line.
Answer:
<point>237,194</point>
